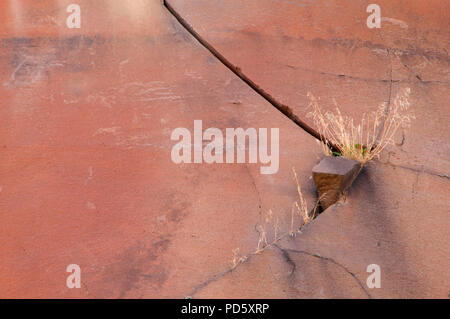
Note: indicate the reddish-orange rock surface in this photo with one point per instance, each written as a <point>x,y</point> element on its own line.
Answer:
<point>290,48</point>
<point>86,175</point>
<point>86,172</point>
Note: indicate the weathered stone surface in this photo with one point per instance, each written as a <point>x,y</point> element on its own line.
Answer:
<point>385,220</point>
<point>332,176</point>
<point>325,47</point>
<point>290,48</point>
<point>86,173</point>
<point>288,274</point>
<point>392,217</point>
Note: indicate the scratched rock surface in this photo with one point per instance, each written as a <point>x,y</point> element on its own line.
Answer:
<point>86,175</point>
<point>396,219</point>
<point>400,226</point>
<point>396,213</point>
<point>290,48</point>
<point>280,273</point>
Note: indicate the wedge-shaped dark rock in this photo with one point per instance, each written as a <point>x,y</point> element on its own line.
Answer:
<point>332,176</point>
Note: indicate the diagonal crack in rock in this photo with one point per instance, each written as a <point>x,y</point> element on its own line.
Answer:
<point>328,259</point>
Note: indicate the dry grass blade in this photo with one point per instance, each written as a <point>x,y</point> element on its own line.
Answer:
<point>298,218</point>
<point>365,141</point>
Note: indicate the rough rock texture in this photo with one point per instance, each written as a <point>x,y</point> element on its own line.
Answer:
<point>332,176</point>
<point>85,171</point>
<point>387,220</point>
<point>290,48</point>
<point>278,273</point>
<point>388,224</point>
<point>398,214</point>
<point>86,175</point>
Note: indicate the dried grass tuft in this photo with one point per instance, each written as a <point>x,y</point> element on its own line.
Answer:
<point>366,140</point>
<point>299,216</point>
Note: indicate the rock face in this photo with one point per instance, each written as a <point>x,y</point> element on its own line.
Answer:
<point>326,48</point>
<point>86,175</point>
<point>333,175</point>
<point>384,221</point>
